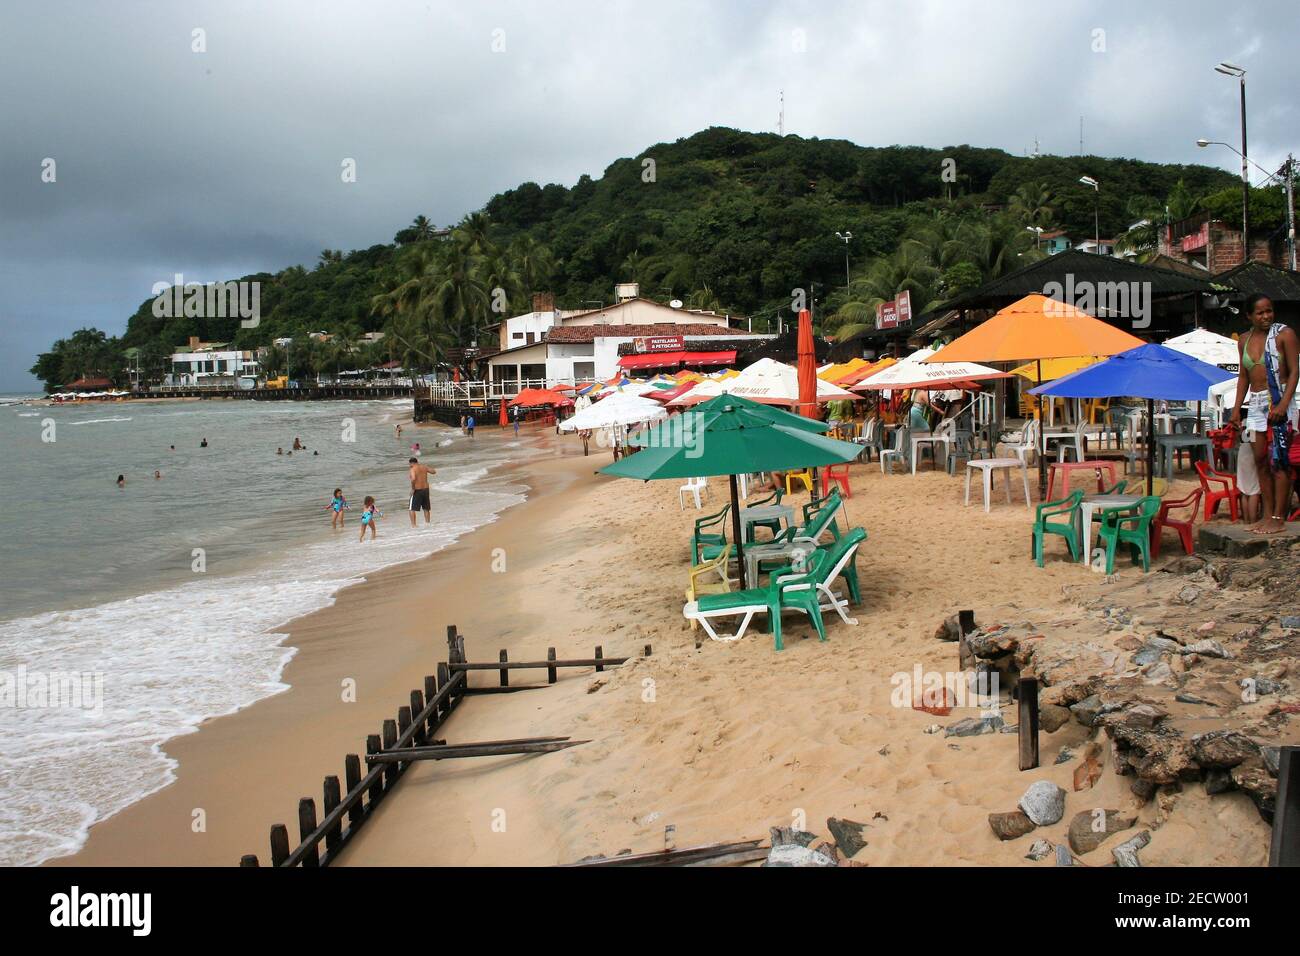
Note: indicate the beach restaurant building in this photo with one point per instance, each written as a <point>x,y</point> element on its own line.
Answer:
<point>211,364</point>
<point>634,335</point>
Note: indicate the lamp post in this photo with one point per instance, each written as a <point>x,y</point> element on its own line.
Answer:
<point>1038,234</point>
<point>1245,186</point>
<point>1096,211</point>
<point>1227,69</point>
<point>846,236</point>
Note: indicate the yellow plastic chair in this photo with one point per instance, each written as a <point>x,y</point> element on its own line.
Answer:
<point>701,572</point>
<point>792,476</point>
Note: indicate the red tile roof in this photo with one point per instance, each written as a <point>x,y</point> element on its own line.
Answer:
<point>586,333</point>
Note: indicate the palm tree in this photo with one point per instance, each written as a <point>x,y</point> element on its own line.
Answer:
<point>1031,204</point>
<point>329,257</point>
<point>421,229</point>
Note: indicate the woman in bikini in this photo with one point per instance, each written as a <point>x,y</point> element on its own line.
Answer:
<point>1266,383</point>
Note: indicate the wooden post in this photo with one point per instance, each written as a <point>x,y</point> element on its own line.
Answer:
<point>417,707</point>
<point>444,675</point>
<point>550,670</point>
<point>376,788</point>
<point>504,672</point>
<point>306,826</point>
<point>332,798</point>
<point>1284,848</point>
<point>352,779</point>
<point>430,692</point>
<point>390,740</point>
<point>403,720</point>
<point>647,650</point>
<point>1028,720</point>
<point>248,859</point>
<point>279,844</point>
<point>451,642</point>
<point>599,654</point>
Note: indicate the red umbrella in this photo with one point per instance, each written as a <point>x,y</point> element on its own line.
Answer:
<point>455,373</point>
<point>504,420</point>
<point>807,366</point>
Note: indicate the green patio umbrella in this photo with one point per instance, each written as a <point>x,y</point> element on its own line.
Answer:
<point>729,436</point>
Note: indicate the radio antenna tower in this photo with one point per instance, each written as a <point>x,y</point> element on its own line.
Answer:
<point>780,119</point>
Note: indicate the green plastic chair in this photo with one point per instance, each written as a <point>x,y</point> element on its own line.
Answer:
<point>707,544</point>
<point>1130,525</point>
<point>772,524</point>
<point>1066,507</point>
<point>836,551</point>
<point>786,589</point>
<point>1117,488</point>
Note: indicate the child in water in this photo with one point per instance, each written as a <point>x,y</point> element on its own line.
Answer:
<point>339,505</point>
<point>369,518</point>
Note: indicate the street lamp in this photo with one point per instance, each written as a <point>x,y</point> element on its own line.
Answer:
<point>847,237</point>
<point>1227,69</point>
<point>1038,233</point>
<point>1096,212</point>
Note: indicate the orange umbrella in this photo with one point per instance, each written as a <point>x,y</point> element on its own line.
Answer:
<point>504,420</point>
<point>1037,327</point>
<point>807,366</point>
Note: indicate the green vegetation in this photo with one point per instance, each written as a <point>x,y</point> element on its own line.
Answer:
<point>723,219</point>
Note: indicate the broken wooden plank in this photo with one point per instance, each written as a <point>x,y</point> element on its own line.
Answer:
<point>694,854</point>
<point>733,859</point>
<point>454,751</point>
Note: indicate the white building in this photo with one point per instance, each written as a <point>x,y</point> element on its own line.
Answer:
<point>211,364</point>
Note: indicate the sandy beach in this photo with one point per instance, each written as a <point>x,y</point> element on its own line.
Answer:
<point>721,742</point>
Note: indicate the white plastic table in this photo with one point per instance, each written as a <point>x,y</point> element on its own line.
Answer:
<point>762,513</point>
<point>1090,505</point>
<point>990,465</point>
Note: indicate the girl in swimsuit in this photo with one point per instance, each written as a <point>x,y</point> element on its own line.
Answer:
<point>339,505</point>
<point>369,518</point>
<point>1266,383</point>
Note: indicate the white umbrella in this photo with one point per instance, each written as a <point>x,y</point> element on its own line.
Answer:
<point>618,409</point>
<point>1207,346</point>
<point>709,388</point>
<point>775,383</point>
<point>914,372</point>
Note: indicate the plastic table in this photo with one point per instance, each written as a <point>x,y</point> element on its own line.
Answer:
<point>1067,468</point>
<point>762,513</point>
<point>990,465</point>
<point>1168,445</point>
<point>1090,505</point>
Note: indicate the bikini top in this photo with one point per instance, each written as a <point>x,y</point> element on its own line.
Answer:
<point>1246,360</point>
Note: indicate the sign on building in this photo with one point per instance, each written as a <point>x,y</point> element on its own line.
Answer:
<point>895,312</point>
<point>659,343</point>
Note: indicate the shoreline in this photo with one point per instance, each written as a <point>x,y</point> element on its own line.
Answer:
<point>245,769</point>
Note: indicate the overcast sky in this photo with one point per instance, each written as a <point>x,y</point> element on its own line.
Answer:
<point>226,162</point>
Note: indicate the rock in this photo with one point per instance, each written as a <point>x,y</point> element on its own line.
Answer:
<point>1207,648</point>
<point>829,851</point>
<point>1272,758</point>
<point>1087,710</point>
<point>1188,595</point>
<point>974,726</point>
<point>1143,715</point>
<point>933,729</point>
<point>1010,826</point>
<point>1089,829</point>
<point>884,751</point>
<point>792,854</point>
<point>1052,717</point>
<point>949,629</point>
<point>1088,772</point>
<point>992,644</point>
<point>1191,699</point>
<point>1222,749</point>
<point>596,685</point>
<point>1166,800</point>
<point>1291,622</point>
<point>1207,627</point>
<point>1154,648</point>
<point>1126,853</point>
<point>1063,855</point>
<point>785,836</point>
<point>1043,803</point>
<point>1260,785</point>
<point>847,834</point>
<point>1218,781</point>
<point>1144,790</point>
<point>1160,673</point>
<point>1259,686</point>
<point>1038,850</point>
<point>1065,756</point>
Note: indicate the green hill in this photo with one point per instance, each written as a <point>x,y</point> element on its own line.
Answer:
<point>721,219</point>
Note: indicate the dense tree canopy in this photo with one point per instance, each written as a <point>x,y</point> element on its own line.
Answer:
<point>722,219</point>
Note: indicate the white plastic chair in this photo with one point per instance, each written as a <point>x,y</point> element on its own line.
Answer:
<point>894,453</point>
<point>1070,440</point>
<point>1025,441</point>
<point>693,486</point>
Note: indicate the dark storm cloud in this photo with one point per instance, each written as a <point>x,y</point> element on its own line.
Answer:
<point>227,162</point>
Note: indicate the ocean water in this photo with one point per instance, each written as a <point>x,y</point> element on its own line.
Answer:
<point>156,604</point>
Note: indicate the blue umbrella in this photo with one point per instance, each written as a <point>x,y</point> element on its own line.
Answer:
<point>1148,371</point>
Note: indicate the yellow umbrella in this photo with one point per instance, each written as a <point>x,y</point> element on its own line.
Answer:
<point>836,372</point>
<point>1055,368</point>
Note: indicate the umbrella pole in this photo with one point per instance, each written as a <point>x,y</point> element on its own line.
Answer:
<point>1151,444</point>
<point>1042,440</point>
<point>735,530</point>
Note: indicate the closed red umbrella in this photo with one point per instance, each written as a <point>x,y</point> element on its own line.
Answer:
<point>504,420</point>
<point>807,366</point>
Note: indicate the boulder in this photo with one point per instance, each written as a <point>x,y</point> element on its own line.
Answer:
<point>1207,648</point>
<point>1038,850</point>
<point>792,854</point>
<point>785,836</point>
<point>1218,781</point>
<point>1088,772</point>
<point>1222,749</point>
<point>1088,710</point>
<point>1010,826</point>
<point>1260,785</point>
<point>1052,717</point>
<point>1043,803</point>
<point>1126,853</point>
<point>974,726</point>
<point>1089,829</point>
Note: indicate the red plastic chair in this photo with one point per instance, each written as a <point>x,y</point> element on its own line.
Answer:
<point>1223,439</point>
<point>1219,479</point>
<point>1182,526</point>
<point>839,474</point>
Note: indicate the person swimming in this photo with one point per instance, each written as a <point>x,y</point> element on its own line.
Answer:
<point>204,443</point>
<point>279,451</point>
<point>121,481</point>
<point>157,475</point>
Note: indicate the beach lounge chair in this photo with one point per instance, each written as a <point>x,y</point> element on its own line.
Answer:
<point>703,581</point>
<point>1068,529</point>
<point>1217,486</point>
<point>693,486</point>
<point>1129,525</point>
<point>786,589</point>
<point>843,564</point>
<point>813,508</point>
<point>819,517</point>
<point>706,542</point>
<point>1182,525</point>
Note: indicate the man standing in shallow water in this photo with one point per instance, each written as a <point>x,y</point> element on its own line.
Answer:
<point>420,490</point>
<point>1266,382</point>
